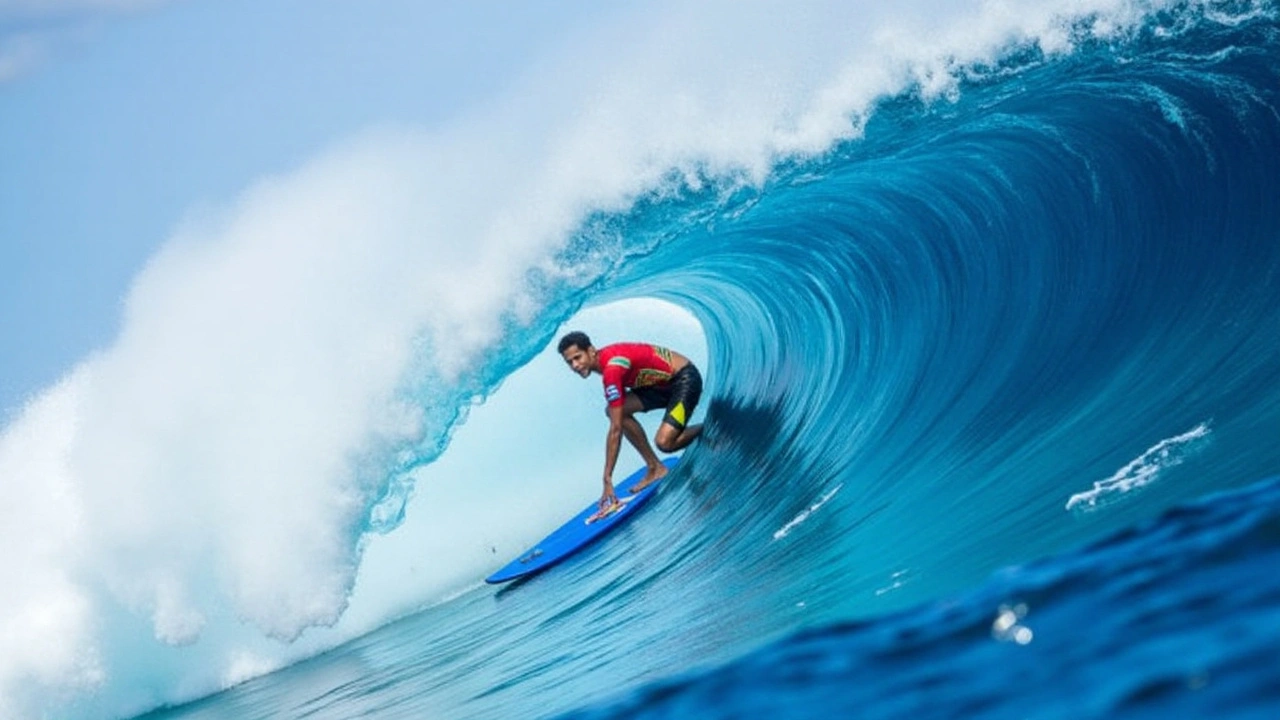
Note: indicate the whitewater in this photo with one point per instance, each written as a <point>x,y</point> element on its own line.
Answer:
<point>987,300</point>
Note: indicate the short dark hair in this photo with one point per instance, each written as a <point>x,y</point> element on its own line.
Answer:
<point>574,338</point>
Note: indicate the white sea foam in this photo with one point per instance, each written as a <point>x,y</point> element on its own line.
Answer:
<point>208,469</point>
<point>803,515</point>
<point>1142,470</point>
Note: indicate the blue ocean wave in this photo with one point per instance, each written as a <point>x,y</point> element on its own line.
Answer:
<point>1177,617</point>
<point>929,341</point>
<point>923,344</point>
<point>986,305</point>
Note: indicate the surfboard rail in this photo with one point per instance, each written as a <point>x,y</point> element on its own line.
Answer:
<point>580,531</point>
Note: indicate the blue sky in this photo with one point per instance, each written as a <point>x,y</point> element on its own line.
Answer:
<point>119,119</point>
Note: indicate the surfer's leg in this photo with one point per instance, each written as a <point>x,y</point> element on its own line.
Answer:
<point>634,432</point>
<point>672,439</point>
<point>654,471</point>
<point>686,390</point>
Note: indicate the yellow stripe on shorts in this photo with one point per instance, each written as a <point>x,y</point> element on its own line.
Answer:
<point>677,413</point>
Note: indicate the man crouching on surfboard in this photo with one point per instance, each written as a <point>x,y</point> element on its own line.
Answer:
<point>638,377</point>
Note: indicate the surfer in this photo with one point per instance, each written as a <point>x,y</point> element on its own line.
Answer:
<point>638,377</point>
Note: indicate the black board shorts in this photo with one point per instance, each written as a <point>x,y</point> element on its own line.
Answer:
<point>679,396</point>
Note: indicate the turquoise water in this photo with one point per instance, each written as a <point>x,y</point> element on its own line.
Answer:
<point>992,409</point>
<point>986,333</point>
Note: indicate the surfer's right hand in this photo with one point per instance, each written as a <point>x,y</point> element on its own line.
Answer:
<point>607,498</point>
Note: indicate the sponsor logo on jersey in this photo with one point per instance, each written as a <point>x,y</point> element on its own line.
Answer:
<point>612,393</point>
<point>648,377</point>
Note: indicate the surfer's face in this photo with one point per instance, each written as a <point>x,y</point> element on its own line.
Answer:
<point>579,360</point>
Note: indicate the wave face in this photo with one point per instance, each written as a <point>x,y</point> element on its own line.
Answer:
<point>1073,636</point>
<point>945,345</point>
<point>991,327</point>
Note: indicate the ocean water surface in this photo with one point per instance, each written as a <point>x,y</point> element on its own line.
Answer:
<point>992,420</point>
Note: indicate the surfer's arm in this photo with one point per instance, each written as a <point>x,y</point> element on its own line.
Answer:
<point>613,442</point>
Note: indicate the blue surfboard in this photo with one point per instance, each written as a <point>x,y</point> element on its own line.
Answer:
<point>580,531</point>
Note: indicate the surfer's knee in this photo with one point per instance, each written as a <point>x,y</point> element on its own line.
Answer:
<point>667,442</point>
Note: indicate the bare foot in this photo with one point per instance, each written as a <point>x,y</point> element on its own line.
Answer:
<point>654,475</point>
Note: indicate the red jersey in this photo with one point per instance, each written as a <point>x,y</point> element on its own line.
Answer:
<point>632,365</point>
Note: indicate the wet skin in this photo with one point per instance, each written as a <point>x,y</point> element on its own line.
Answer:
<point>622,423</point>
